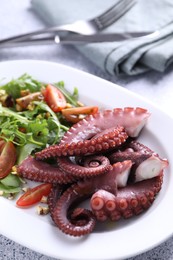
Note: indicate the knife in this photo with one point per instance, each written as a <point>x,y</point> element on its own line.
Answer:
<point>80,39</point>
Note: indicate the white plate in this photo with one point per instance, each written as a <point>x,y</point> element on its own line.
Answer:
<point>125,238</point>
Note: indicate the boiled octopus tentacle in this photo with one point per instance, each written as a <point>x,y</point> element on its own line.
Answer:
<point>129,201</point>
<point>108,139</point>
<point>132,119</point>
<point>53,196</point>
<point>92,166</point>
<point>35,170</point>
<point>78,192</point>
<point>146,163</point>
<point>61,214</point>
<point>132,150</point>
<point>78,217</point>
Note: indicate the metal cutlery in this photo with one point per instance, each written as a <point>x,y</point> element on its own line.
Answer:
<point>80,39</point>
<point>86,27</point>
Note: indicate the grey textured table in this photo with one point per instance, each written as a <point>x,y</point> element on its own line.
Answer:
<point>16,17</point>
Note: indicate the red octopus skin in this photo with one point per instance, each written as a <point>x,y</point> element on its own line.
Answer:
<point>129,201</point>
<point>35,170</point>
<point>132,119</point>
<point>108,139</point>
<point>93,166</point>
<point>78,216</point>
<point>60,214</point>
<point>54,195</point>
<point>132,150</point>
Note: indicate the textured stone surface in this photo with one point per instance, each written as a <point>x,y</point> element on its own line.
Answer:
<point>17,17</point>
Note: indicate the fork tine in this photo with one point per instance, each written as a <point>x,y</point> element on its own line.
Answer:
<point>115,12</point>
<point>112,8</point>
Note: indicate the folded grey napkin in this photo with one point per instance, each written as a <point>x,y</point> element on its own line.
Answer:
<point>127,57</point>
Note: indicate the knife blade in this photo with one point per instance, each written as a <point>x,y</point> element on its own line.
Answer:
<point>95,38</point>
<point>79,39</point>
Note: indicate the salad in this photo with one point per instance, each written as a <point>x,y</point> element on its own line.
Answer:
<point>33,115</point>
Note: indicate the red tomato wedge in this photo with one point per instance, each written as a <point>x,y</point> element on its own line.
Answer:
<point>54,98</point>
<point>8,156</point>
<point>34,195</point>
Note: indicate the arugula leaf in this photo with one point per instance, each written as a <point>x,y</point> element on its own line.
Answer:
<point>43,106</point>
<point>6,112</point>
<point>25,82</point>
<point>9,189</point>
<point>11,180</point>
<point>11,184</point>
<point>25,150</point>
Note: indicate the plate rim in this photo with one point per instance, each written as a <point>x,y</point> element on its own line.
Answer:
<point>48,63</point>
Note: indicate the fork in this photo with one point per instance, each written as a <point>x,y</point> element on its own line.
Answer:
<point>85,27</point>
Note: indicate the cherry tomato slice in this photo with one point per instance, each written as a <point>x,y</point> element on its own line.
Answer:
<point>7,158</point>
<point>54,98</point>
<point>34,195</point>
